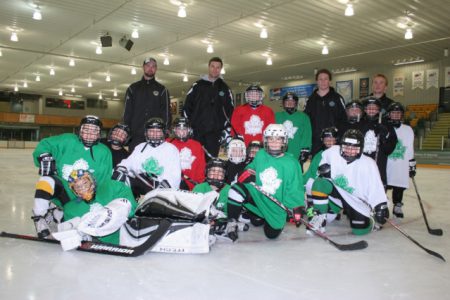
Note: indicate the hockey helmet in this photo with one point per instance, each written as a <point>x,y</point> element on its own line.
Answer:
<point>329,136</point>
<point>272,134</point>
<point>182,129</point>
<point>83,184</point>
<point>236,151</point>
<point>395,114</point>
<point>119,135</point>
<point>90,129</point>
<point>252,148</point>
<point>254,95</point>
<point>215,172</point>
<point>155,131</point>
<point>290,102</point>
<point>352,145</point>
<point>372,108</point>
<point>354,111</point>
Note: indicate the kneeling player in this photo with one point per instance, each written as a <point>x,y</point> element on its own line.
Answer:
<point>349,181</point>
<point>275,172</point>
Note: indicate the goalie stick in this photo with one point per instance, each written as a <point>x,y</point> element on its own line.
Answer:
<point>430,230</point>
<point>104,248</point>
<point>343,247</point>
<point>414,241</point>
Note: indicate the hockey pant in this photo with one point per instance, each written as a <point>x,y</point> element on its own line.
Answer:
<point>397,194</point>
<point>239,197</point>
<point>210,141</point>
<point>326,200</point>
<point>48,189</point>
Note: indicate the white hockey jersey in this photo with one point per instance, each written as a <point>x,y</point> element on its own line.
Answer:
<point>397,169</point>
<point>359,182</point>
<point>163,161</point>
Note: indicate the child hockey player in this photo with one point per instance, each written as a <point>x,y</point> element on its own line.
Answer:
<point>57,157</point>
<point>250,120</point>
<point>152,163</point>
<point>192,156</point>
<point>236,153</point>
<point>275,172</point>
<point>401,163</point>
<point>350,181</point>
<point>298,128</point>
<point>118,138</point>
<point>252,149</point>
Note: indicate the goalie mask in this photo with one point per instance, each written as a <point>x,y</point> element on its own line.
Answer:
<point>275,139</point>
<point>254,95</point>
<point>119,135</point>
<point>290,103</point>
<point>352,145</point>
<point>182,130</point>
<point>354,111</point>
<point>215,172</point>
<point>90,128</point>
<point>395,114</point>
<point>82,183</point>
<point>372,108</point>
<point>236,151</point>
<point>252,149</point>
<point>154,131</point>
<point>329,137</point>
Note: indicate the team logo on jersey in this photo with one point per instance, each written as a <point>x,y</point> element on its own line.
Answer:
<point>221,94</point>
<point>342,182</point>
<point>151,166</point>
<point>186,158</point>
<point>290,128</point>
<point>80,164</point>
<point>156,93</point>
<point>370,142</point>
<point>399,151</point>
<point>254,125</point>
<point>331,104</point>
<point>269,180</point>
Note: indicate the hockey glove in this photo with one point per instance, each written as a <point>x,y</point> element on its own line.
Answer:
<point>120,173</point>
<point>412,168</point>
<point>304,155</point>
<point>47,164</point>
<point>247,176</point>
<point>298,213</point>
<point>381,213</point>
<point>324,170</point>
<point>225,137</point>
<point>382,132</point>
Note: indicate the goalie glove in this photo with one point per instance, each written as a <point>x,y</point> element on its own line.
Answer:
<point>225,136</point>
<point>412,168</point>
<point>304,155</point>
<point>120,173</point>
<point>47,164</point>
<point>381,213</point>
<point>298,213</point>
<point>247,176</point>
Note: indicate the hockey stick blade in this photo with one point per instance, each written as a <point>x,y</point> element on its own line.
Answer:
<point>414,241</point>
<point>104,248</point>
<point>430,230</point>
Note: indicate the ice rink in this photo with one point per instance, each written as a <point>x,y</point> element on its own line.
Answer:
<point>295,266</point>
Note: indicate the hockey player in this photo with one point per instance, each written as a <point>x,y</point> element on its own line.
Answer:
<point>94,210</point>
<point>58,156</point>
<point>118,138</point>
<point>152,163</point>
<point>192,156</point>
<point>350,181</point>
<point>355,114</point>
<point>401,163</point>
<point>298,127</point>
<point>275,172</point>
<point>236,153</point>
<point>379,138</point>
<point>250,120</point>
<point>252,149</point>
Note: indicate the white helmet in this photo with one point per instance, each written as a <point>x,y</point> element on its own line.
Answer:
<point>236,151</point>
<point>275,130</point>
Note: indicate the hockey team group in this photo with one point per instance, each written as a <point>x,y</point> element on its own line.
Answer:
<point>118,191</point>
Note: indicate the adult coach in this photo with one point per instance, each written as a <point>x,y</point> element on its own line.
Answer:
<point>145,99</point>
<point>209,105</point>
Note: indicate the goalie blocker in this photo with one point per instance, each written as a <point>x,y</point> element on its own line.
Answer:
<point>189,231</point>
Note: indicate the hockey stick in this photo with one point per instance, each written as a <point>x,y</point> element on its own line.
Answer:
<point>430,230</point>
<point>189,179</point>
<point>104,248</point>
<point>343,247</point>
<point>414,241</point>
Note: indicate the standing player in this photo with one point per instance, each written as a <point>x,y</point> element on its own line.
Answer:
<point>236,153</point>
<point>152,163</point>
<point>401,163</point>
<point>298,127</point>
<point>58,156</point>
<point>192,156</point>
<point>250,120</point>
<point>275,172</point>
<point>350,181</point>
<point>355,114</point>
<point>118,138</point>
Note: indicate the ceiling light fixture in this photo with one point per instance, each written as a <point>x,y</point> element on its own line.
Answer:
<point>89,83</point>
<point>135,34</point>
<point>72,62</point>
<point>210,49</point>
<point>222,71</point>
<point>37,14</point>
<point>263,34</point>
<point>269,61</point>
<point>60,93</point>
<point>166,61</point>
<point>1,53</point>
<point>115,93</point>
<point>72,89</point>
<point>25,84</point>
<point>185,78</point>
<point>182,10</point>
<point>100,96</point>
<point>14,37</point>
<point>410,61</point>
<point>16,88</point>
<point>38,77</point>
<point>98,50</point>
<point>133,71</point>
<point>325,50</point>
<point>408,34</point>
<point>349,10</point>
<point>52,71</point>
<point>108,77</point>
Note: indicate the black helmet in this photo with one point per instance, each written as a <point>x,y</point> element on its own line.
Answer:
<point>353,104</point>
<point>352,138</point>
<point>290,96</point>
<point>182,123</point>
<point>216,163</point>
<point>90,138</point>
<point>368,101</point>
<point>116,142</point>
<point>155,123</point>
<point>331,132</point>
<point>254,95</point>
<point>395,106</point>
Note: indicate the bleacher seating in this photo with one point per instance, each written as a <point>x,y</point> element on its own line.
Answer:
<point>415,112</point>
